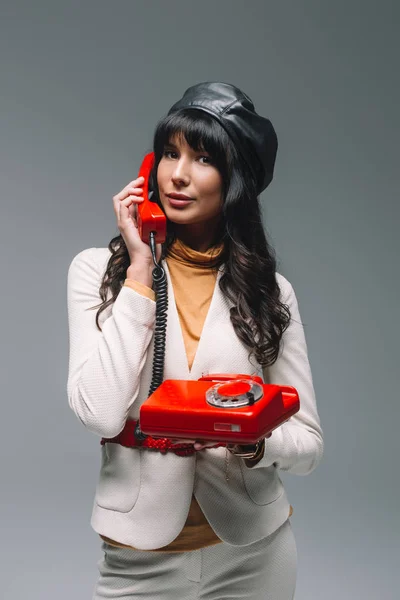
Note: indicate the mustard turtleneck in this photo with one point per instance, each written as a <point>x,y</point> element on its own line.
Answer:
<point>184,254</point>
<point>193,281</point>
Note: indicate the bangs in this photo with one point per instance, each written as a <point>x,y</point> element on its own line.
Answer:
<point>200,130</point>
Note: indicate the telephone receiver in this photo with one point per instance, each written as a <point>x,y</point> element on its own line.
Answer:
<point>150,217</point>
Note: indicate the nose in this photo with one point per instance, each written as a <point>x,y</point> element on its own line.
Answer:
<point>180,174</point>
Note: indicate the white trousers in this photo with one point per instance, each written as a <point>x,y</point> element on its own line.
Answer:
<point>265,570</point>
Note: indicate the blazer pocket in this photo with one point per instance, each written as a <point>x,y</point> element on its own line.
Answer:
<point>263,485</point>
<point>119,482</point>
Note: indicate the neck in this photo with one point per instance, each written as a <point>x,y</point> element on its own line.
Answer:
<point>198,236</point>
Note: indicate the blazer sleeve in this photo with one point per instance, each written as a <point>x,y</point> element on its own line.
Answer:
<point>297,445</point>
<point>104,366</point>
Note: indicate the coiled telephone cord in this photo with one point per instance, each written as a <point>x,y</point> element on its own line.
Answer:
<point>160,284</point>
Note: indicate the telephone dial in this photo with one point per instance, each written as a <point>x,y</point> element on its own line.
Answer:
<point>226,407</point>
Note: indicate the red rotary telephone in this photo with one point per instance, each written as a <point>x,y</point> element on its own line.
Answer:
<point>232,408</point>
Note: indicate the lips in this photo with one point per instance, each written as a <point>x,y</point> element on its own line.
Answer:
<point>178,196</point>
<point>178,203</point>
<point>177,200</point>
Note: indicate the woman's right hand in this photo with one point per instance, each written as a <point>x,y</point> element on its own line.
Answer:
<point>125,208</point>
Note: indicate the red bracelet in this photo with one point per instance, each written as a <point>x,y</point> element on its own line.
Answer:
<point>127,438</point>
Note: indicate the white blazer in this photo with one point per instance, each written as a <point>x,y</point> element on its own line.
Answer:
<point>143,497</point>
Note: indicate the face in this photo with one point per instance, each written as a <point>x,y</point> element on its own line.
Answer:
<point>190,187</point>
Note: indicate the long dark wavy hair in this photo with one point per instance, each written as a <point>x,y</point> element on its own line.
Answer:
<point>248,281</point>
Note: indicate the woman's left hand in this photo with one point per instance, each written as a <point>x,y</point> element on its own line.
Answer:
<point>201,444</point>
<point>198,444</point>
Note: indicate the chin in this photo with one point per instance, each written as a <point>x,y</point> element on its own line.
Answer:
<point>180,220</point>
<point>178,215</point>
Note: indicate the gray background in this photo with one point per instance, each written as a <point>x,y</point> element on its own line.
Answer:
<point>82,86</point>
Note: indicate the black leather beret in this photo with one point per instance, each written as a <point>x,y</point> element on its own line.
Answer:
<point>253,135</point>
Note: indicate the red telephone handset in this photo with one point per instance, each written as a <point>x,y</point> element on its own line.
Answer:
<point>150,217</point>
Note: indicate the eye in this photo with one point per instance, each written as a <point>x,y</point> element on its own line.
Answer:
<point>169,153</point>
<point>208,160</point>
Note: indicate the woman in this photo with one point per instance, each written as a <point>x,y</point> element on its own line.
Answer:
<point>213,523</point>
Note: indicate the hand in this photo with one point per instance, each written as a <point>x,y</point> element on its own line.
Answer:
<point>239,447</point>
<point>125,208</point>
<point>201,444</point>
<point>198,444</point>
